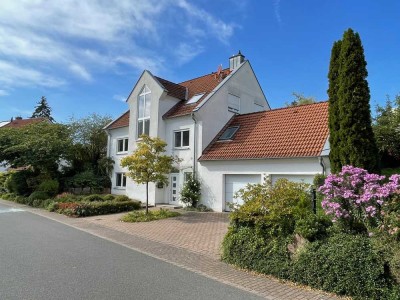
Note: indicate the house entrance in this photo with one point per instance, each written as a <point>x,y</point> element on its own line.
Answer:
<point>174,196</point>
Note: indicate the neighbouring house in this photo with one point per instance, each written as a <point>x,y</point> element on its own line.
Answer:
<point>18,122</point>
<point>222,128</point>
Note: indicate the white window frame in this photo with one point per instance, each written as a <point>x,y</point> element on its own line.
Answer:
<point>123,180</point>
<point>145,91</point>
<point>181,141</point>
<point>125,145</point>
<point>233,107</point>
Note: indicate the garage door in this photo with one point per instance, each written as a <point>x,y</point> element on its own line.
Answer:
<point>233,183</point>
<point>294,178</point>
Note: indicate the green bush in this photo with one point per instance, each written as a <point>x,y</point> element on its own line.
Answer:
<point>17,182</point>
<point>344,264</point>
<point>50,187</point>
<point>273,209</point>
<point>319,180</point>
<point>109,197</point>
<point>121,198</point>
<point>92,198</point>
<point>84,209</point>
<point>313,227</point>
<point>190,192</point>
<point>141,216</point>
<point>39,195</point>
<point>3,179</point>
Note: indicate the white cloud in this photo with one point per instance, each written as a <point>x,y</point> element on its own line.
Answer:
<point>277,10</point>
<point>42,40</point>
<point>119,98</point>
<point>3,93</point>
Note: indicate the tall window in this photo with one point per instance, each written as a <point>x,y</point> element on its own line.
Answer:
<point>144,112</point>
<point>120,180</point>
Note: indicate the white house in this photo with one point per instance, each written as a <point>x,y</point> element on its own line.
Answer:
<point>222,128</point>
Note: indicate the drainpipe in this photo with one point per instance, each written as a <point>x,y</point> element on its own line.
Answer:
<point>321,162</point>
<point>194,144</point>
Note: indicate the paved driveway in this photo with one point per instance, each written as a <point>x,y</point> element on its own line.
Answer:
<point>193,231</point>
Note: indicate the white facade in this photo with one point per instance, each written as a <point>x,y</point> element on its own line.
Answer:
<point>208,118</point>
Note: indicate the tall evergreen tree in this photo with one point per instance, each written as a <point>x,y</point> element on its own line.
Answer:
<point>43,110</point>
<point>333,109</point>
<point>353,140</point>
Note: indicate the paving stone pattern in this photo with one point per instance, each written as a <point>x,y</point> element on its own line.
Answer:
<point>190,241</point>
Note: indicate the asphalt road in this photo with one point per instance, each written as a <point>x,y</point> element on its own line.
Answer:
<point>43,259</point>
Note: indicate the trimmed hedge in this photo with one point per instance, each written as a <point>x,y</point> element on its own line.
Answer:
<point>85,209</point>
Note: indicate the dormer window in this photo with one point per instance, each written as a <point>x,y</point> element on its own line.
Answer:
<point>229,133</point>
<point>195,98</point>
<point>144,104</point>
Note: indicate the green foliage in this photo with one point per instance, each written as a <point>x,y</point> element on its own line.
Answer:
<point>43,110</point>
<point>390,171</point>
<point>351,137</point>
<point>191,191</point>
<point>85,179</point>
<point>122,198</point>
<point>273,209</point>
<point>148,163</point>
<point>39,195</point>
<point>313,227</point>
<point>142,216</point>
<point>50,187</point>
<point>3,179</point>
<point>41,145</point>
<point>319,180</point>
<point>17,182</point>
<point>300,99</point>
<point>85,209</point>
<point>110,197</point>
<point>93,197</point>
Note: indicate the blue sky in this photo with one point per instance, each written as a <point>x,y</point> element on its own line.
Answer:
<point>85,56</point>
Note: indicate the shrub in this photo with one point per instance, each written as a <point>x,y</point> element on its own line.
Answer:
<point>109,197</point>
<point>121,198</point>
<point>141,216</point>
<point>85,179</point>
<point>17,182</point>
<point>50,187</point>
<point>273,209</point>
<point>190,193</point>
<point>92,198</point>
<point>344,264</point>
<point>3,179</point>
<point>313,227</point>
<point>319,180</point>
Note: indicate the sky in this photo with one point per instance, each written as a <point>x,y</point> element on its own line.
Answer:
<point>86,56</point>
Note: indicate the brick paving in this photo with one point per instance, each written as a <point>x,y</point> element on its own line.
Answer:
<point>190,241</point>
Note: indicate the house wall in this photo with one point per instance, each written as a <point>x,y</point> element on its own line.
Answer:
<point>212,174</point>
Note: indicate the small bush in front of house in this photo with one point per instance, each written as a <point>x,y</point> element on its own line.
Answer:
<point>191,191</point>
<point>141,216</point>
<point>109,197</point>
<point>36,198</point>
<point>85,209</point>
<point>122,198</point>
<point>92,198</point>
<point>17,182</point>
<point>49,186</point>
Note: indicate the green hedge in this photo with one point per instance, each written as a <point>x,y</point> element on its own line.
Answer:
<point>85,209</point>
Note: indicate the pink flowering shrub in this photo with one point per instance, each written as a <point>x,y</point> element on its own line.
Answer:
<point>354,197</point>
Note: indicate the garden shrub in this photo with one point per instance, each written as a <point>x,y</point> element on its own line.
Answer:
<point>190,192</point>
<point>49,186</point>
<point>3,179</point>
<point>344,264</point>
<point>319,180</point>
<point>92,198</point>
<point>109,197</point>
<point>313,227</point>
<point>17,182</point>
<point>122,198</point>
<point>142,216</point>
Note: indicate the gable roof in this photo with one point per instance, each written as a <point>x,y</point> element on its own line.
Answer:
<point>18,123</point>
<point>173,89</point>
<point>121,121</point>
<point>200,85</point>
<point>299,131</point>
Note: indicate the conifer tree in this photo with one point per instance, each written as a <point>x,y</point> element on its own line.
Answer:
<point>43,110</point>
<point>353,139</point>
<point>333,110</point>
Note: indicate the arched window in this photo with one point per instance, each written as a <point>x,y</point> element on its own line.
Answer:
<point>144,102</point>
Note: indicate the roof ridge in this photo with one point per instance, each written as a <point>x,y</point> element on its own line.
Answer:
<point>158,77</point>
<point>203,76</point>
<point>112,122</point>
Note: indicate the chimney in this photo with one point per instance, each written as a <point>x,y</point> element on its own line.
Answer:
<point>235,61</point>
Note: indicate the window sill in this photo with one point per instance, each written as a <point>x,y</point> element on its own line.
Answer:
<point>181,148</point>
<point>122,153</point>
<point>119,188</point>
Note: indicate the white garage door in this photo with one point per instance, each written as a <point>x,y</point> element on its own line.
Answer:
<point>294,178</point>
<point>233,183</point>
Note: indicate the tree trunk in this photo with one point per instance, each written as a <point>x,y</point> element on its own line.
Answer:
<point>147,198</point>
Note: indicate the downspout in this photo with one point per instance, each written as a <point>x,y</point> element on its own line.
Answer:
<point>321,162</point>
<point>194,144</point>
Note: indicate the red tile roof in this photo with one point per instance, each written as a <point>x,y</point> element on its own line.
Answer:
<point>204,84</point>
<point>17,123</point>
<point>299,131</point>
<point>122,121</point>
<point>174,90</point>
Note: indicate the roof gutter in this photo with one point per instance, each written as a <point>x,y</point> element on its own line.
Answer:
<point>322,163</point>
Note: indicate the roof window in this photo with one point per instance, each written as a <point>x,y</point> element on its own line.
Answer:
<point>195,98</point>
<point>229,133</point>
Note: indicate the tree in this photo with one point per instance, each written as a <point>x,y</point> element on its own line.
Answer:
<point>333,109</point>
<point>148,163</point>
<point>43,110</point>
<point>387,128</point>
<point>354,141</point>
<point>41,145</point>
<point>300,99</point>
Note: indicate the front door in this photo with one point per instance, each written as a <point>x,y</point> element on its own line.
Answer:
<point>174,188</point>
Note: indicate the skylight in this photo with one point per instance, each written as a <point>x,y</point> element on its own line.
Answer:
<point>195,98</point>
<point>229,133</point>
